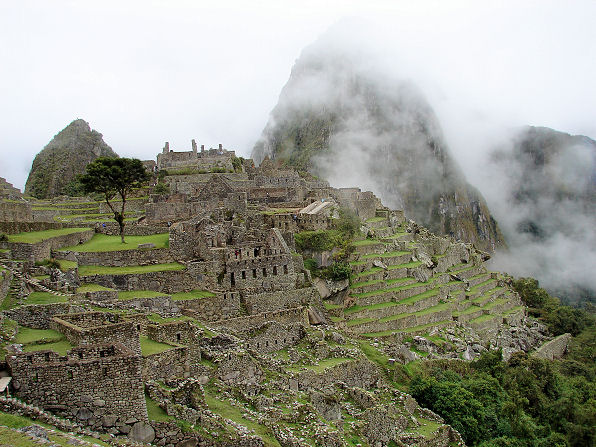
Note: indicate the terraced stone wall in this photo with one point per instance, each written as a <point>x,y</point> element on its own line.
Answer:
<point>165,282</point>
<point>15,212</point>
<point>223,305</point>
<point>162,305</point>
<point>274,272</point>
<point>97,385</point>
<point>286,316</point>
<point>181,332</point>
<point>15,227</point>
<point>42,250</point>
<point>119,258</point>
<point>39,316</point>
<point>131,229</point>
<point>267,302</point>
<point>555,348</point>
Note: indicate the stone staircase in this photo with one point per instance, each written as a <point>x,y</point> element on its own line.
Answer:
<point>22,278</point>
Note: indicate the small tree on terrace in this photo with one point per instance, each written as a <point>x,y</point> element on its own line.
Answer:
<point>113,177</point>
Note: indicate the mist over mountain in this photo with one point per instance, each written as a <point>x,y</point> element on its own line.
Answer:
<point>343,118</point>
<point>545,202</point>
<point>63,158</point>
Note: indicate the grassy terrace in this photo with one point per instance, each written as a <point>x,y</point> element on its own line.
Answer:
<point>192,295</point>
<point>104,242</point>
<point>131,294</point>
<point>429,310</point>
<point>412,264</point>
<point>364,242</point>
<point>367,272</point>
<point>149,347</point>
<point>87,270</point>
<point>394,289</point>
<point>408,300</point>
<point>486,295</point>
<point>322,365</point>
<point>155,412</point>
<point>482,318</point>
<point>92,288</point>
<point>39,236</point>
<point>61,347</point>
<point>376,219</point>
<point>44,298</point>
<point>234,413</point>
<point>389,254</point>
<point>28,335</point>
<point>421,327</point>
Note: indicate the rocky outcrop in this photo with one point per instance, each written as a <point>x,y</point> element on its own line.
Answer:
<point>54,169</point>
<point>350,125</point>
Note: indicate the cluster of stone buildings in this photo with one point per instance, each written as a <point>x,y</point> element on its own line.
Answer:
<point>231,232</point>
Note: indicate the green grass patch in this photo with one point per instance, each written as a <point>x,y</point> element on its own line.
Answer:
<point>482,318</point>
<point>376,219</point>
<point>66,265</point>
<point>192,295</point>
<point>364,242</point>
<point>28,335</point>
<point>156,413</point>
<point>366,283</point>
<point>330,306</point>
<point>131,294</point>
<point>327,363</point>
<point>92,288</point>
<point>156,318</point>
<point>428,427</point>
<point>38,236</point>
<point>61,347</point>
<point>225,409</point>
<point>104,242</point>
<point>367,272</point>
<point>86,270</point>
<point>358,321</point>
<point>44,298</point>
<point>149,347</point>
<point>389,254</point>
<point>410,265</point>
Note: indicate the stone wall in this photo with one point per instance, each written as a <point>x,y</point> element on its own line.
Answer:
<point>212,308</point>
<point>39,316</point>
<point>15,211</point>
<point>273,336</point>
<point>555,348</point>
<point>167,364</point>
<point>354,373</point>
<point>98,385</point>
<point>42,250</point>
<point>286,316</point>
<point>271,301</point>
<point>130,229</point>
<point>165,282</point>
<point>181,332</point>
<point>15,226</point>
<point>118,258</point>
<point>162,305</point>
<point>90,328</point>
<point>5,279</point>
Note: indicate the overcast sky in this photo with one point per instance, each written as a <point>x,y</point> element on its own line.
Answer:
<point>146,72</point>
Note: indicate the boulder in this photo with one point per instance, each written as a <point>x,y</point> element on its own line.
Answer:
<point>142,432</point>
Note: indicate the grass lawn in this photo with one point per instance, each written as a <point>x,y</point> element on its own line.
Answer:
<point>61,347</point>
<point>376,219</point>
<point>104,242</point>
<point>91,288</point>
<point>44,298</point>
<point>155,412</point>
<point>365,242</point>
<point>233,413</point>
<point>192,295</point>
<point>38,236</point>
<point>28,335</point>
<point>389,254</point>
<point>149,346</point>
<point>86,270</point>
<point>130,294</point>
<point>66,265</point>
<point>156,318</point>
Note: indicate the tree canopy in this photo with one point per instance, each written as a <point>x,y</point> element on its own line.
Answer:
<point>112,177</point>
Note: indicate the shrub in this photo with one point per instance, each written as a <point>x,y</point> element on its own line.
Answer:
<point>3,237</point>
<point>51,263</point>
<point>161,188</point>
<point>338,271</point>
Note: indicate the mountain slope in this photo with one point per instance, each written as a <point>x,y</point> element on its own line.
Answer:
<point>63,158</point>
<point>546,207</point>
<point>340,119</point>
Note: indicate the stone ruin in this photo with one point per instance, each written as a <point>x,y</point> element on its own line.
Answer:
<point>240,320</point>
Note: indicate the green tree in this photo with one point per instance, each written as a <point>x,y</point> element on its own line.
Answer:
<point>112,177</point>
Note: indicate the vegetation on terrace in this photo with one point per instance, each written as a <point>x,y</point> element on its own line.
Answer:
<point>88,270</point>
<point>34,237</point>
<point>104,242</point>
